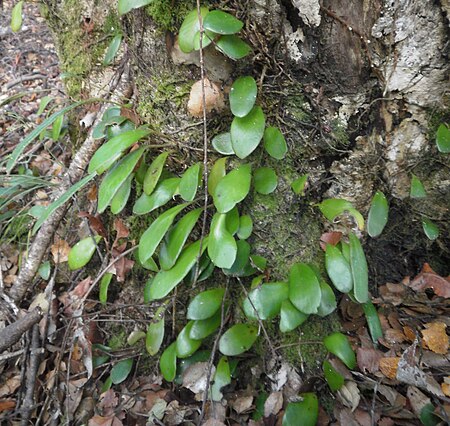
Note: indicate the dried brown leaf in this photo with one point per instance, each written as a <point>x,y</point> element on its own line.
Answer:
<point>435,337</point>
<point>121,229</point>
<point>349,395</point>
<point>273,404</point>
<point>368,359</point>
<point>214,99</point>
<point>60,251</point>
<point>332,238</point>
<point>440,285</point>
<point>242,404</point>
<point>389,366</point>
<point>7,405</point>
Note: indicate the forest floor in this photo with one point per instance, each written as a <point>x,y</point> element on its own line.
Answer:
<point>401,379</point>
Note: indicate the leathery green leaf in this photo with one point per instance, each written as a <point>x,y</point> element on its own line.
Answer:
<point>151,238</point>
<point>189,182</point>
<point>113,48</point>
<point>242,260</point>
<point>168,362</point>
<point>265,180</point>
<point>333,207</point>
<point>243,96</point>
<point>334,379</point>
<point>162,195</point>
<point>155,335</point>
<point>185,345</point>
<point>203,328</point>
<point>247,132</point>
<point>164,281</point>
<point>81,253</point>
<point>222,23</point>
<point>290,317</point>
<point>266,299</point>
<point>338,269</point>
<point>154,172</point>
<point>222,378</point>
<point>222,247</point>
<point>121,370</point>
<point>233,220</point>
<point>189,28</point>
<point>233,47</point>
<point>176,238</point>
<point>378,214</point>
<point>245,227</point>
<point>304,288</point>
<point>115,178</point>
<point>119,201</point>
<point>104,285</point>
<point>417,189</point>
<point>274,143</point>
<point>238,339</point>
<point>338,344</point>
<point>205,304</point>
<point>443,139</point>
<point>112,150</point>
<point>327,301</point>
<point>358,264</point>
<point>16,17</point>
<point>306,411</point>
<point>430,228</point>
<point>216,174</point>
<point>373,321</point>
<point>232,188</point>
<point>222,144</point>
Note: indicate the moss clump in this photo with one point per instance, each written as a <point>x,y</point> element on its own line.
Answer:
<point>168,14</point>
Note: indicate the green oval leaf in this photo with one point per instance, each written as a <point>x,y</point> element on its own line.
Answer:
<point>334,379</point>
<point>443,139</point>
<point>222,247</point>
<point>203,328</point>
<point>373,321</point>
<point>121,371</point>
<point>290,317</point>
<point>243,96</point>
<point>155,336</point>
<point>113,48</point>
<point>162,195</point>
<point>232,188</point>
<point>265,180</point>
<point>430,228</point>
<point>238,268</point>
<point>165,281</point>
<point>247,132</point>
<point>274,143</point>
<point>338,269</point>
<point>186,346</point>
<point>119,201</point>
<point>327,301</point>
<point>116,177</point>
<point>233,47</point>
<point>358,264</point>
<point>304,288</point>
<point>378,214</point>
<point>16,17</point>
<point>417,189</point>
<point>104,285</point>
<point>266,299</point>
<point>233,220</point>
<point>176,238</point>
<point>126,5</point>
<point>112,150</point>
<point>222,22</point>
<point>338,344</point>
<point>189,30</point>
<point>168,362</point>
<point>154,172</point>
<point>44,270</point>
<point>333,207</point>
<point>205,304</point>
<point>306,410</point>
<point>216,174</point>
<point>222,143</point>
<point>238,339</point>
<point>81,253</point>
<point>245,227</point>
<point>190,182</point>
<point>222,378</point>
<point>151,238</point>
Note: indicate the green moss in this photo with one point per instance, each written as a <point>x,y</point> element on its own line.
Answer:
<point>118,339</point>
<point>339,134</point>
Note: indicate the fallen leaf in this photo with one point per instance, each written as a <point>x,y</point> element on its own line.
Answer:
<point>195,377</point>
<point>389,366</point>
<point>7,404</point>
<point>121,229</point>
<point>349,395</point>
<point>10,385</point>
<point>409,333</point>
<point>417,399</point>
<point>108,402</point>
<point>105,421</point>
<point>446,386</point>
<point>440,285</point>
<point>60,251</point>
<point>242,404</point>
<point>329,238</point>
<point>95,224</point>
<point>273,404</point>
<point>213,98</point>
<point>368,359</point>
<point>435,337</point>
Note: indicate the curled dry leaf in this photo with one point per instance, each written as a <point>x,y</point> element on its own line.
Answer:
<point>242,403</point>
<point>60,251</point>
<point>213,98</point>
<point>435,337</point>
<point>429,279</point>
<point>349,395</point>
<point>389,366</point>
<point>95,223</point>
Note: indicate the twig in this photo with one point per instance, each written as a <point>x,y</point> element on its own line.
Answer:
<point>23,78</point>
<point>8,355</point>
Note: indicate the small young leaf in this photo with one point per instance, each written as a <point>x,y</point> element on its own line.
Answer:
<point>44,270</point>
<point>120,199</point>
<point>176,238</point>
<point>81,253</point>
<point>304,288</point>
<point>378,214</point>
<point>430,228</point>
<point>113,48</point>
<point>328,300</point>
<point>168,362</point>
<point>266,299</point>
<point>222,378</point>
<point>232,188</point>
<point>16,17</point>
<point>243,96</point>
<point>162,195</point>
<point>338,269</point>
<point>126,5</point>
<point>338,344</point>
<point>333,207</point>
<point>247,132</point>
<point>155,336</point>
<point>358,264</point>
<point>154,172</point>
<point>217,172</point>
<point>205,304</point>
<point>222,23</point>
<point>334,379</point>
<point>189,182</point>
<point>222,247</point>
<point>417,189</point>
<point>222,144</point>
<point>203,328</point>
<point>104,285</point>
<point>373,321</point>
<point>274,143</point>
<point>290,317</point>
<point>443,139</point>
<point>265,180</point>
<point>121,371</point>
<point>185,345</point>
<point>245,227</point>
<point>238,339</point>
<point>233,47</point>
<point>306,410</point>
<point>189,29</point>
